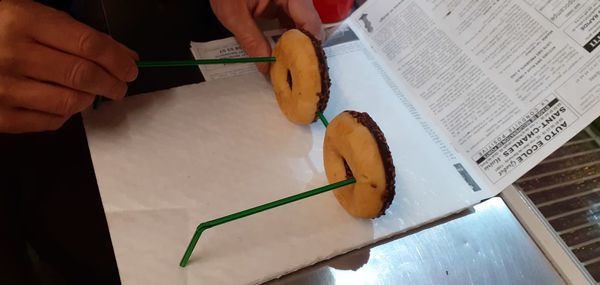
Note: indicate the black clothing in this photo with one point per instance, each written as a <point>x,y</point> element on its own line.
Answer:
<point>52,225</point>
<point>156,29</point>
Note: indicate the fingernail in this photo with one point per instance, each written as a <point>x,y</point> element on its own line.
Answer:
<point>120,91</point>
<point>132,73</point>
<point>125,88</point>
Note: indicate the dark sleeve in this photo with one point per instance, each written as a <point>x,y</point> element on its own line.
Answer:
<point>158,30</point>
<point>155,29</point>
<point>58,4</point>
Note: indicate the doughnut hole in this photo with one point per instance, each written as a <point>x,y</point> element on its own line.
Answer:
<point>289,80</point>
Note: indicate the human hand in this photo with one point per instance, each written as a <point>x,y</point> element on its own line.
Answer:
<point>51,66</point>
<point>239,16</point>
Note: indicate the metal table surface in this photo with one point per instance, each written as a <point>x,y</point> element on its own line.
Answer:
<point>485,244</point>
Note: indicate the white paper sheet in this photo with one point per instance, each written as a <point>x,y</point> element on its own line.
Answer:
<point>170,160</point>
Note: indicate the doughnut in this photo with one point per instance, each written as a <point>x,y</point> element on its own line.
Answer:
<point>354,146</point>
<point>300,76</point>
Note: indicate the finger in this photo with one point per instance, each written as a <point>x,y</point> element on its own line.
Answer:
<point>66,34</point>
<point>14,121</point>
<point>50,65</point>
<point>304,15</point>
<point>238,20</point>
<point>43,97</point>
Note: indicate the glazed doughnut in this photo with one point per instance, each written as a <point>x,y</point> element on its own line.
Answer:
<point>354,146</point>
<point>300,76</point>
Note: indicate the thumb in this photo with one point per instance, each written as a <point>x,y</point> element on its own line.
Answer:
<point>254,43</point>
<point>240,22</point>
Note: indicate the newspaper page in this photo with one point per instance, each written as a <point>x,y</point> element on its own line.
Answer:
<point>504,83</point>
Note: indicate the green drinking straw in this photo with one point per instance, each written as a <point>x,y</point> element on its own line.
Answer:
<point>180,63</point>
<point>207,225</point>
<point>177,63</point>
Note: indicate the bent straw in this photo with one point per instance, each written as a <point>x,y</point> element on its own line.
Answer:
<point>207,225</point>
<point>175,63</point>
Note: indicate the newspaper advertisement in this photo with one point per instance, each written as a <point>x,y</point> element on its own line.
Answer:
<point>504,82</point>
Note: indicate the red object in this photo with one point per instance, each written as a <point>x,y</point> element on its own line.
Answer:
<point>332,11</point>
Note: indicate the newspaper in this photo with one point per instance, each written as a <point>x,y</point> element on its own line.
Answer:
<point>505,83</point>
<point>498,85</point>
